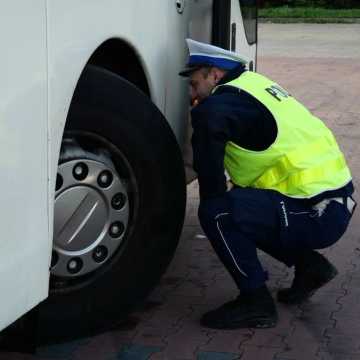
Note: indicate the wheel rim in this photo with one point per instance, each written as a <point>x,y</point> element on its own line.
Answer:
<point>91,217</point>
<point>84,159</point>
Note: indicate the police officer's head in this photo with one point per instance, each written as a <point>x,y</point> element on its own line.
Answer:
<point>202,82</point>
<point>206,66</point>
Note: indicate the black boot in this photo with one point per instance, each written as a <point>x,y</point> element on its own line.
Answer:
<point>251,310</point>
<point>312,271</point>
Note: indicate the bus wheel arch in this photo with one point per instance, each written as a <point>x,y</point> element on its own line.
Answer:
<point>110,107</point>
<point>119,57</point>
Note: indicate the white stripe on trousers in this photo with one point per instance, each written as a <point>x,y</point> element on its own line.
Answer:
<point>224,240</point>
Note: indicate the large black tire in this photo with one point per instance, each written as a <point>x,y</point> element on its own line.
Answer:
<point>109,106</point>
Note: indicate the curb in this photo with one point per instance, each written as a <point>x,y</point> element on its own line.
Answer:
<point>280,20</point>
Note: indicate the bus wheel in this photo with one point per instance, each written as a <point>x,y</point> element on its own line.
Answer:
<point>119,207</point>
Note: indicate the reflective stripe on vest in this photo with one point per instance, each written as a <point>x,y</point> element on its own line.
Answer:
<point>303,161</point>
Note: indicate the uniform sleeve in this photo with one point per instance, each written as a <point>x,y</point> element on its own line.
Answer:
<point>211,133</point>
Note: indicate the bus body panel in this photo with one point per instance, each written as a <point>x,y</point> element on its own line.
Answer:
<point>25,243</point>
<point>48,45</point>
<point>77,28</point>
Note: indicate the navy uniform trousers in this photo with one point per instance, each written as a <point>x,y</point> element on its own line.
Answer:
<point>245,219</point>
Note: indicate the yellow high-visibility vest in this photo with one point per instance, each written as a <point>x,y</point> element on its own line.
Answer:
<point>304,160</point>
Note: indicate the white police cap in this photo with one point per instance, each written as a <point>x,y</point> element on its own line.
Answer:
<point>201,54</point>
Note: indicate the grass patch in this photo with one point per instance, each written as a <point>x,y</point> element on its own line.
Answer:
<point>307,12</point>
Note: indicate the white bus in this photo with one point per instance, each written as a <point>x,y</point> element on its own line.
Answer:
<point>92,122</point>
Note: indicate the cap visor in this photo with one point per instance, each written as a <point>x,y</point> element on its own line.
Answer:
<point>188,71</point>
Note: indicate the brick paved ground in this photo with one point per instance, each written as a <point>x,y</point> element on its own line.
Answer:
<point>325,328</point>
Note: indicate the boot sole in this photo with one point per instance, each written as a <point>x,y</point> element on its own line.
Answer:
<point>296,300</point>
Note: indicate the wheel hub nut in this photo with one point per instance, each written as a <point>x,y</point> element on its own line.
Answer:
<point>118,201</point>
<point>116,229</point>
<point>74,265</point>
<point>100,253</point>
<point>80,171</point>
<point>105,178</point>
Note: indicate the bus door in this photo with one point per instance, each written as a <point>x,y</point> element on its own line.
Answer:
<point>234,27</point>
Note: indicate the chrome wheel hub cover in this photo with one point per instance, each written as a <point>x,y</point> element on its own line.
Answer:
<point>91,217</point>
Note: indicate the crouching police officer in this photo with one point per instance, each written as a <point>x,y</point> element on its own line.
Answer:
<point>291,189</point>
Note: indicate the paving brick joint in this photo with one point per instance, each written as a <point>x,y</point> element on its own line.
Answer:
<point>325,328</point>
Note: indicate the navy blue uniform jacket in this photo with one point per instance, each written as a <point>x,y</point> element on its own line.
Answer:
<point>232,115</point>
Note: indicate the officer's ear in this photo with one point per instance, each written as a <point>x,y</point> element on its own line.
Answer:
<point>217,74</point>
